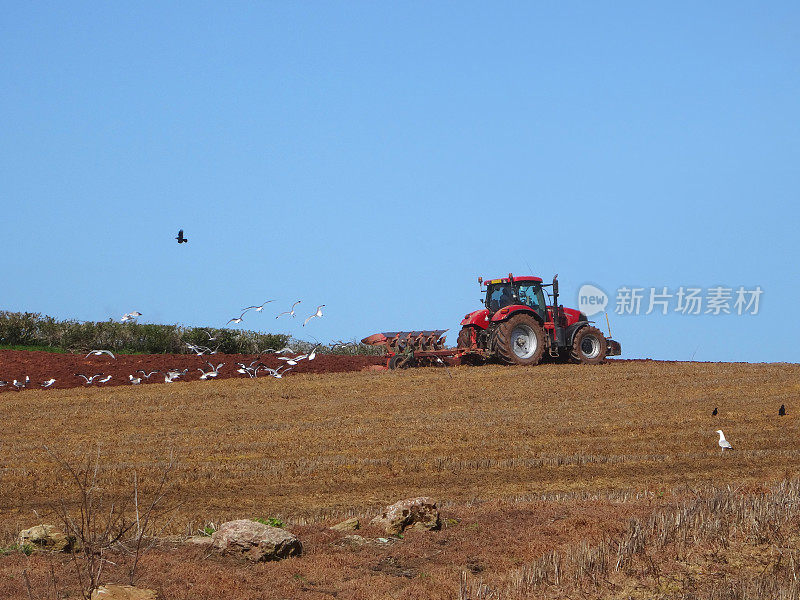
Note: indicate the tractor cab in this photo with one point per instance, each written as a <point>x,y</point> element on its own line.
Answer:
<point>501,293</point>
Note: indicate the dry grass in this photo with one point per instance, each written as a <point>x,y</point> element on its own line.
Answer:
<point>308,447</point>
<point>556,439</point>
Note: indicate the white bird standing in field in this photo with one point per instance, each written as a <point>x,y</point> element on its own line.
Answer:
<point>723,443</point>
<point>289,312</point>
<point>48,383</point>
<point>99,353</point>
<point>316,314</point>
<point>135,380</point>
<point>105,379</point>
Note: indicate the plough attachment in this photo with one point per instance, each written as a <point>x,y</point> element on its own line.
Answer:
<point>404,342</point>
<point>411,348</point>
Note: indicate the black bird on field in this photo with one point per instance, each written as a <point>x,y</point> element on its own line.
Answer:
<point>714,414</point>
<point>180,238</point>
<point>782,411</point>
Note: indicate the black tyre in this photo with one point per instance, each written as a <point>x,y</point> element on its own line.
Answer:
<point>519,341</point>
<point>589,346</point>
<point>465,337</point>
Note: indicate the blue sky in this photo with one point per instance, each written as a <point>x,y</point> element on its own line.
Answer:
<point>378,158</point>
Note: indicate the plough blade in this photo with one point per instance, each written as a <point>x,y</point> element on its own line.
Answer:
<point>408,341</point>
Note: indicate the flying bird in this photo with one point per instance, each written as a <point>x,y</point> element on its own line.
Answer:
<point>723,443</point>
<point>212,373</point>
<point>48,383</point>
<point>277,374</point>
<point>714,412</point>
<point>105,379</point>
<point>147,375</point>
<point>89,380</point>
<point>316,314</point>
<point>129,316</point>
<point>180,238</point>
<point>782,411</point>
<point>172,375</point>
<point>257,308</point>
<point>236,319</point>
<point>289,312</point>
<point>100,352</point>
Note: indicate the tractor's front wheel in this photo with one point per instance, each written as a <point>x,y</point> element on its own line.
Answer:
<point>465,338</point>
<point>519,341</point>
<point>589,346</point>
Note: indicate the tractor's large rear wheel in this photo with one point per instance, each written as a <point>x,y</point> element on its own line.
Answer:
<point>519,341</point>
<point>589,346</point>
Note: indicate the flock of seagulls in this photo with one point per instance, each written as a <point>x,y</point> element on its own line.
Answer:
<point>290,313</point>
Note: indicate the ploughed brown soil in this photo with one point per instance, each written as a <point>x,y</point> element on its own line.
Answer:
<point>41,366</point>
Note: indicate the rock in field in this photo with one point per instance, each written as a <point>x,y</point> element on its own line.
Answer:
<point>123,592</point>
<point>348,525</point>
<point>414,513</point>
<point>256,541</point>
<point>47,537</point>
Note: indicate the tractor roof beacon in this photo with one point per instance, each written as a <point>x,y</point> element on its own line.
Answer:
<point>516,326</point>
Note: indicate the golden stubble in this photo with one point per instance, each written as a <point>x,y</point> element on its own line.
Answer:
<point>316,446</point>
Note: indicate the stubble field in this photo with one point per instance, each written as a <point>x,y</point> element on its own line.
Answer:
<point>552,456</point>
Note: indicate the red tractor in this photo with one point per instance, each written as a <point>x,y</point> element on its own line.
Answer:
<point>517,326</point>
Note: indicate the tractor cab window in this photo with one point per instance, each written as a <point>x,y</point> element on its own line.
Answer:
<point>499,296</point>
<point>530,294</point>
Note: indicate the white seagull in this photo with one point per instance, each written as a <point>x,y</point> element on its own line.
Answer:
<point>20,384</point>
<point>105,379</point>
<point>48,383</point>
<point>236,319</point>
<point>723,443</point>
<point>129,316</point>
<point>135,380</point>
<point>172,375</point>
<point>277,374</point>
<point>257,308</point>
<point>89,380</point>
<point>316,314</point>
<point>289,312</point>
<point>147,375</point>
<point>212,373</point>
<point>100,352</point>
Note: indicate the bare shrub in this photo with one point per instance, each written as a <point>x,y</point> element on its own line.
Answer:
<point>104,523</point>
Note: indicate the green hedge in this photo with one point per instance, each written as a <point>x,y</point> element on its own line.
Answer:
<point>35,330</point>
